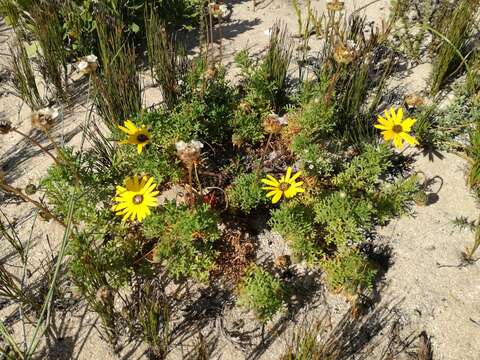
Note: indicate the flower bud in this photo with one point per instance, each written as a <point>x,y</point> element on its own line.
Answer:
<point>30,189</point>
<point>5,127</point>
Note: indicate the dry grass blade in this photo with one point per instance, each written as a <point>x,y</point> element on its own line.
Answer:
<point>48,30</point>
<point>457,34</point>
<point>23,78</point>
<point>277,60</point>
<point>162,55</point>
<point>117,89</point>
<point>424,347</point>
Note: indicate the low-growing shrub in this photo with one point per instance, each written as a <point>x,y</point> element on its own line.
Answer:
<point>349,272</point>
<point>185,238</point>
<point>295,222</point>
<point>261,292</point>
<point>246,193</point>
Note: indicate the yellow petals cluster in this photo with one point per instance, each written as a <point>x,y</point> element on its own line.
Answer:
<point>286,187</point>
<point>395,128</point>
<point>136,136</point>
<point>135,198</point>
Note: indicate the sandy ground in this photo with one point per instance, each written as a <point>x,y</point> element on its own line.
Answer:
<point>426,288</point>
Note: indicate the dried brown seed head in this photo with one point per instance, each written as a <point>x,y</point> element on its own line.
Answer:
<point>44,119</point>
<point>5,126</point>
<point>104,295</point>
<point>344,54</point>
<point>282,261</point>
<point>273,124</point>
<point>414,100</point>
<point>335,5</point>
<point>30,189</point>
<point>237,140</point>
<point>190,152</point>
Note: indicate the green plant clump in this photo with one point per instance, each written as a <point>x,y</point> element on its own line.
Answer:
<point>349,272</point>
<point>246,192</point>
<point>261,292</point>
<point>185,238</point>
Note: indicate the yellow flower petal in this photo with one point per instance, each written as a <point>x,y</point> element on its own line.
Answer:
<point>125,130</point>
<point>397,141</point>
<point>408,123</point>
<point>273,192</point>
<point>270,182</point>
<point>398,116</point>
<point>288,174</point>
<point>130,125</point>
<point>388,135</point>
<point>409,139</point>
<point>382,127</point>
<point>295,177</point>
<point>277,197</point>
<point>384,122</point>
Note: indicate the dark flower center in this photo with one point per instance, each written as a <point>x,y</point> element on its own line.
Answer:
<point>284,186</point>
<point>397,129</point>
<point>138,199</point>
<point>142,138</point>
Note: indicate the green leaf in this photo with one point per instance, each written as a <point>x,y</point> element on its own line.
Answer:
<point>134,28</point>
<point>32,49</point>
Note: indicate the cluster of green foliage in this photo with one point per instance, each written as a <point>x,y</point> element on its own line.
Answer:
<point>295,222</point>
<point>246,192</point>
<point>349,195</point>
<point>349,272</point>
<point>78,21</point>
<point>263,85</point>
<point>261,292</point>
<point>184,239</point>
<point>446,128</point>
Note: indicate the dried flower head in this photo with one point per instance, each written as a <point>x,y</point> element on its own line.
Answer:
<point>5,126</point>
<point>237,140</point>
<point>421,198</point>
<point>217,10</point>
<point>344,53</point>
<point>335,5</point>
<point>245,107</point>
<point>189,153</point>
<point>211,73</point>
<point>43,119</point>
<point>414,100</point>
<point>88,65</point>
<point>273,123</point>
<point>282,262</point>
<point>104,295</point>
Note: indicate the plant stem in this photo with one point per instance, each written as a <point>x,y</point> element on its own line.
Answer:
<point>29,138</point>
<point>198,179</point>
<point>18,192</point>
<point>264,153</point>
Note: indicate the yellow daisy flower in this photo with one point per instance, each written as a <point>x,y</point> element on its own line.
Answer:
<point>136,136</point>
<point>135,198</point>
<point>395,128</point>
<point>286,186</point>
